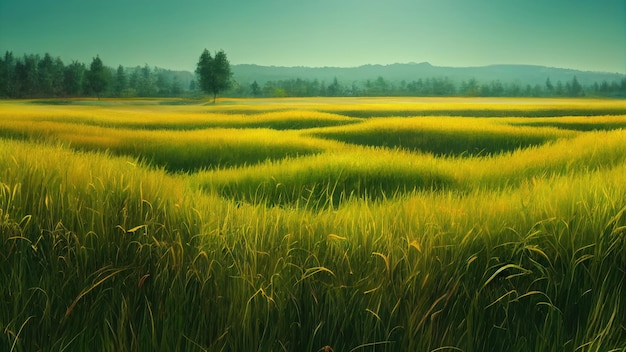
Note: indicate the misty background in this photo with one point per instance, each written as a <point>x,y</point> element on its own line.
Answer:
<point>317,48</point>
<point>574,34</point>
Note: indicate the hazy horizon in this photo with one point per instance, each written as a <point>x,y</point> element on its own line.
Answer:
<point>567,34</point>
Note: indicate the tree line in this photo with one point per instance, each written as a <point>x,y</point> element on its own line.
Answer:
<point>436,86</point>
<point>35,76</point>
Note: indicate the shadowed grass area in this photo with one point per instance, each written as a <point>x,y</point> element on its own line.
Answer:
<point>328,179</point>
<point>443,136</point>
<point>576,123</point>
<point>170,147</point>
<point>173,150</point>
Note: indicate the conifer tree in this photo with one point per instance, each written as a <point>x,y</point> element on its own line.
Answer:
<point>97,77</point>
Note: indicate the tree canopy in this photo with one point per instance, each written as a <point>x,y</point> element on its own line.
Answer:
<point>214,74</point>
<point>97,77</point>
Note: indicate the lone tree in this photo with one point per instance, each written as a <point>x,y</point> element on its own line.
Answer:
<point>97,77</point>
<point>213,73</point>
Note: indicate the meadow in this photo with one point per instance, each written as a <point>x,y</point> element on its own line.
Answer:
<point>320,224</point>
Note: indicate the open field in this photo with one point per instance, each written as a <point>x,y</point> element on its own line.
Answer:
<point>378,224</point>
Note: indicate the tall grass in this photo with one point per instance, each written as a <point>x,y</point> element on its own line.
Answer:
<point>327,179</point>
<point>521,250</point>
<point>443,136</point>
<point>174,150</point>
<point>578,123</point>
<point>377,173</point>
<point>158,269</point>
<point>84,230</point>
<point>176,138</point>
<point>429,106</point>
<point>152,116</point>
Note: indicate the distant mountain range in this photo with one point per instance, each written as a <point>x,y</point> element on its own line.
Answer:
<point>522,74</point>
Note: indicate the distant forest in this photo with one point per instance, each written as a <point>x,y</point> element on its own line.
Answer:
<point>438,86</point>
<point>36,76</point>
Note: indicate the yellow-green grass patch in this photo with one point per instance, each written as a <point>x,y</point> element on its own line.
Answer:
<point>156,117</point>
<point>576,123</point>
<point>174,150</point>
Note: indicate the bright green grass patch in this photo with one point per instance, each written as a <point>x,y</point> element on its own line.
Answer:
<point>443,135</point>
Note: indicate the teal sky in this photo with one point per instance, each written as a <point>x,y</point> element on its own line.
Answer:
<point>579,34</point>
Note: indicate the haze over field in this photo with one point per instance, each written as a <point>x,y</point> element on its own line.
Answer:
<point>582,35</point>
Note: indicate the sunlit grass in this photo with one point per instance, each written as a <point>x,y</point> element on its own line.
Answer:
<point>429,106</point>
<point>577,123</point>
<point>172,149</point>
<point>149,115</point>
<point>284,241</point>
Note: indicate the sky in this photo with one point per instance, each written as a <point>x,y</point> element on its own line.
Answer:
<point>579,34</point>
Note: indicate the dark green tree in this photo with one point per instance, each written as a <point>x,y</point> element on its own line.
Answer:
<point>7,75</point>
<point>256,90</point>
<point>575,89</point>
<point>21,74</point>
<point>470,88</point>
<point>44,75</point>
<point>559,90</point>
<point>203,71</point>
<point>120,81</point>
<point>222,73</point>
<point>146,84</point>
<point>27,77</point>
<point>162,83</point>
<point>380,86</point>
<point>549,86</point>
<point>97,77</point>
<point>175,88</point>
<point>58,75</point>
<point>214,74</point>
<point>73,78</point>
<point>334,89</point>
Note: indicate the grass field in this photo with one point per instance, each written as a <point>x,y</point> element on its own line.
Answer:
<point>347,224</point>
